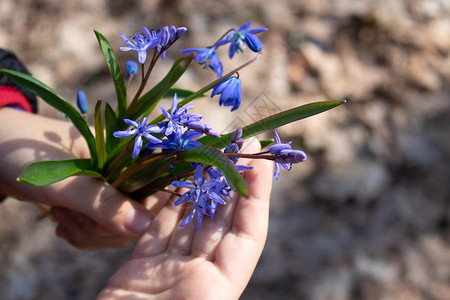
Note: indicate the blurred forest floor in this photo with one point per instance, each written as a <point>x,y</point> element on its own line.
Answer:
<point>365,217</point>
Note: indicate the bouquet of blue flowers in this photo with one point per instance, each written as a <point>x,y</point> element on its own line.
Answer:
<point>140,156</point>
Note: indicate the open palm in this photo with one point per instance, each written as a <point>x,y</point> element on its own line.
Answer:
<point>215,262</point>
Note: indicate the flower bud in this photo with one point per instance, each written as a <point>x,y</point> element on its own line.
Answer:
<point>82,102</point>
<point>132,68</point>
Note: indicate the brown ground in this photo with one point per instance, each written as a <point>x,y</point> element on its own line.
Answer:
<point>366,217</point>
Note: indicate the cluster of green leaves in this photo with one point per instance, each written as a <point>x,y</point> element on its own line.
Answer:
<point>110,157</point>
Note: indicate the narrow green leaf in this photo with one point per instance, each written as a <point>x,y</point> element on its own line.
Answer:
<point>116,74</point>
<point>181,94</point>
<point>265,143</point>
<point>146,175</point>
<point>274,121</point>
<point>112,125</point>
<point>99,135</point>
<point>146,104</point>
<point>43,173</point>
<point>213,156</point>
<point>55,100</point>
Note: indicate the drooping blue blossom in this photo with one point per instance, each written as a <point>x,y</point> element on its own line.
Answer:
<point>140,43</point>
<point>132,68</point>
<point>238,39</point>
<point>285,156</point>
<point>82,102</point>
<point>177,141</point>
<point>202,196</point>
<point>208,58</point>
<point>230,90</point>
<point>140,130</point>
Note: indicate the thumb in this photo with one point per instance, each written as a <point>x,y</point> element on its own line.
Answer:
<point>102,203</point>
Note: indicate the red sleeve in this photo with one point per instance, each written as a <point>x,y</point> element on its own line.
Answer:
<point>11,96</point>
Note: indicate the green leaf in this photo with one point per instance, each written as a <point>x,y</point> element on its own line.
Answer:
<point>111,125</point>
<point>43,173</point>
<point>99,135</point>
<point>146,104</point>
<point>116,74</point>
<point>213,156</point>
<point>146,175</point>
<point>181,94</point>
<point>55,100</point>
<point>265,143</point>
<point>274,121</point>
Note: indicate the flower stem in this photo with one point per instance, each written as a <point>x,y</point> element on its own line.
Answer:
<point>223,35</point>
<point>145,78</point>
<point>252,156</point>
<point>209,86</point>
<point>133,169</point>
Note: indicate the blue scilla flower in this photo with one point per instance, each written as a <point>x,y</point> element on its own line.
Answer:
<point>82,102</point>
<point>200,196</point>
<point>244,36</point>
<point>167,36</point>
<point>230,91</point>
<point>177,117</point>
<point>285,156</point>
<point>208,58</point>
<point>177,141</point>
<point>140,43</point>
<point>140,130</point>
<point>132,68</point>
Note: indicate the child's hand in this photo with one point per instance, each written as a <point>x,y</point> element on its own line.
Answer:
<point>91,214</point>
<point>215,262</point>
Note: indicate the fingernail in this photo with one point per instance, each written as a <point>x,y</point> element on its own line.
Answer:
<point>137,221</point>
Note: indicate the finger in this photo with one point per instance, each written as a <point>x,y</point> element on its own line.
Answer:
<point>250,223</point>
<point>103,204</point>
<point>87,235</point>
<point>157,237</point>
<point>154,203</point>
<point>182,237</point>
<point>212,231</point>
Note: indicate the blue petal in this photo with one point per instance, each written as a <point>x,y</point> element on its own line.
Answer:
<point>232,50</point>
<point>131,123</point>
<point>173,108</point>
<point>257,30</point>
<point>253,42</point>
<point>276,173</point>
<point>245,26</point>
<point>189,218</point>
<point>183,184</point>
<point>125,133</point>
<point>198,175</point>
<point>191,134</point>
<point>142,56</point>
<point>219,88</point>
<point>151,138</point>
<point>137,146</point>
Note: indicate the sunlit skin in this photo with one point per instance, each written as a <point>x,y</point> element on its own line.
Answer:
<point>215,262</point>
<point>168,262</point>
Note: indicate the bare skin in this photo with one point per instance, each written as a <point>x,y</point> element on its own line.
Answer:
<point>214,263</point>
<point>91,214</point>
<point>168,262</point>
